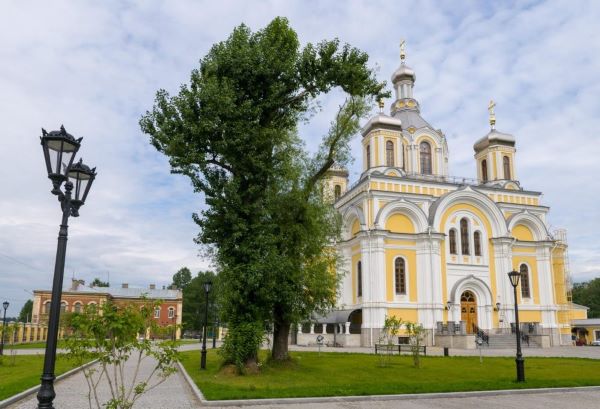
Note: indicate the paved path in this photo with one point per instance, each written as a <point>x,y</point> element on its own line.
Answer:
<point>71,393</point>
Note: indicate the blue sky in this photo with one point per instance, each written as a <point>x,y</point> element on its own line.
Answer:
<point>95,66</point>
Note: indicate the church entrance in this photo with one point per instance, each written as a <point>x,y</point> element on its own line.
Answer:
<point>468,310</point>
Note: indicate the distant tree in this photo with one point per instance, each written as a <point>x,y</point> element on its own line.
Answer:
<point>182,278</point>
<point>194,301</point>
<point>99,283</point>
<point>588,294</point>
<point>25,314</point>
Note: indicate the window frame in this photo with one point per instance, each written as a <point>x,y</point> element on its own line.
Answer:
<point>404,277</point>
<point>484,171</point>
<point>425,158</point>
<point>528,286</point>
<point>452,242</point>
<point>359,279</point>
<point>368,155</point>
<point>389,153</point>
<point>157,312</point>
<point>506,167</point>
<point>465,249</point>
<point>171,312</point>
<point>477,248</point>
<point>337,191</point>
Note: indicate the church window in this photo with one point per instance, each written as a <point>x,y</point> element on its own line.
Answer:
<point>484,174</point>
<point>359,279</point>
<point>464,236</point>
<point>525,288</point>
<point>337,191</point>
<point>389,153</point>
<point>425,155</point>
<point>477,243</point>
<point>400,276</point>
<point>452,241</point>
<point>368,156</point>
<point>506,163</point>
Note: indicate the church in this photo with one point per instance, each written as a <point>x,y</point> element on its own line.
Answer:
<point>435,249</point>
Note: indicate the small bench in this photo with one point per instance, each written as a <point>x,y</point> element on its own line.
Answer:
<point>400,348</point>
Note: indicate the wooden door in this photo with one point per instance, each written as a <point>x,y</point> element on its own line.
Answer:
<point>468,310</point>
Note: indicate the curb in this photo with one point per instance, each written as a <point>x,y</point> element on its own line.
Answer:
<point>22,395</point>
<point>329,399</point>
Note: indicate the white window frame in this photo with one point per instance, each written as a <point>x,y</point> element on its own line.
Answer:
<point>401,297</point>
<point>171,312</point>
<point>526,300</point>
<point>157,313</point>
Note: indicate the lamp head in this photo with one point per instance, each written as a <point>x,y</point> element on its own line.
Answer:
<point>59,149</point>
<point>207,286</point>
<point>5,304</point>
<point>514,277</point>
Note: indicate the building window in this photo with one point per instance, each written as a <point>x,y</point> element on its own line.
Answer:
<point>157,313</point>
<point>506,163</point>
<point>464,237</point>
<point>400,276</point>
<point>337,191</point>
<point>452,241</point>
<point>47,307</point>
<point>63,306</point>
<point>171,312</point>
<point>389,153</point>
<point>359,278</point>
<point>425,155</point>
<point>484,174</point>
<point>477,243</point>
<point>525,288</point>
<point>77,307</point>
<point>368,156</point>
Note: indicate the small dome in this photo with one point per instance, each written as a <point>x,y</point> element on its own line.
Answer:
<point>494,138</point>
<point>403,72</point>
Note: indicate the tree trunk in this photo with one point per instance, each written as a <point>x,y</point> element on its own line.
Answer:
<point>281,332</point>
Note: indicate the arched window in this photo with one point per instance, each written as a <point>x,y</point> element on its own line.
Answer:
<point>389,153</point>
<point>400,276</point>
<point>477,243</point>
<point>425,155</point>
<point>171,312</point>
<point>452,241</point>
<point>525,288</point>
<point>464,236</point>
<point>506,163</point>
<point>368,156</point>
<point>77,307</point>
<point>484,174</point>
<point>157,312</point>
<point>47,307</point>
<point>337,191</point>
<point>63,306</point>
<point>359,279</point>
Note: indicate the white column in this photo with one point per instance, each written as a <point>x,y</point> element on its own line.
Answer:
<point>504,290</point>
<point>347,331</point>
<point>312,329</point>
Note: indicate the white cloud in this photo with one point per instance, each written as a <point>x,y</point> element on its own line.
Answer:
<point>96,67</point>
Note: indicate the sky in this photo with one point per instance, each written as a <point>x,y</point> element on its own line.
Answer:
<point>96,66</point>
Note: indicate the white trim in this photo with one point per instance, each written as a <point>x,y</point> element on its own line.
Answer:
<point>406,296</point>
<point>526,300</point>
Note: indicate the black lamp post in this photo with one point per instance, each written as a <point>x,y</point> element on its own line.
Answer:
<point>5,305</point>
<point>514,280</point>
<point>207,286</point>
<point>59,152</point>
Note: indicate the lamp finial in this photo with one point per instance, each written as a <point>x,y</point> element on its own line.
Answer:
<point>491,107</point>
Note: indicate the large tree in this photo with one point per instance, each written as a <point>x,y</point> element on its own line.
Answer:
<point>232,130</point>
<point>25,314</point>
<point>182,278</point>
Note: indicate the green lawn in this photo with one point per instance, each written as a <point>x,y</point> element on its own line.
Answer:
<point>26,372</point>
<point>32,345</point>
<point>344,374</point>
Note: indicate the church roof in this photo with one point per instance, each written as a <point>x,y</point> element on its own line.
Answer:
<point>411,118</point>
<point>382,121</point>
<point>494,138</point>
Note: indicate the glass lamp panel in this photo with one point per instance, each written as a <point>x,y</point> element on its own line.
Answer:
<point>61,152</point>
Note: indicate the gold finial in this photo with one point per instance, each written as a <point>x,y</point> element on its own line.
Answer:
<point>402,51</point>
<point>381,105</point>
<point>491,107</point>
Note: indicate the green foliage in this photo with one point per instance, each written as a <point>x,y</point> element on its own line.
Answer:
<point>588,294</point>
<point>115,334</point>
<point>99,283</point>
<point>390,330</point>
<point>25,314</point>
<point>182,278</point>
<point>241,344</point>
<point>194,301</point>
<point>232,131</point>
<point>415,333</point>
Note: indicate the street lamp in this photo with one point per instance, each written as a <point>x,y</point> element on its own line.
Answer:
<point>514,277</point>
<point>207,286</point>
<point>5,305</point>
<point>59,149</point>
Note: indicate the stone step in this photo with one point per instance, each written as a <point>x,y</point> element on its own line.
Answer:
<point>508,341</point>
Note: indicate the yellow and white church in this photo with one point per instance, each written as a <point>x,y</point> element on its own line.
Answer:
<point>429,248</point>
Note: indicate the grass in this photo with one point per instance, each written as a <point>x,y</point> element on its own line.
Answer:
<point>32,345</point>
<point>26,372</point>
<point>346,374</point>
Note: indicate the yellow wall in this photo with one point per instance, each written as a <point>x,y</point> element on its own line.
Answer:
<point>578,314</point>
<point>355,260</point>
<point>558,270</point>
<point>355,228</point>
<point>411,264</point>
<point>522,232</point>
<point>399,223</point>
<point>530,316</point>
<point>406,314</point>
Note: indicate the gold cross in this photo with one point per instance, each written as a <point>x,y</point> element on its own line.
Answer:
<point>402,50</point>
<point>491,107</point>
